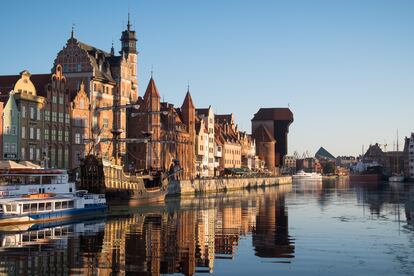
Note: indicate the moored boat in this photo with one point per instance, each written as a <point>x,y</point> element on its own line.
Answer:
<point>302,175</point>
<point>396,178</point>
<point>34,181</point>
<point>50,207</point>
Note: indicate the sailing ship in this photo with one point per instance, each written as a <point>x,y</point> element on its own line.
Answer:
<point>397,176</point>
<point>105,176</point>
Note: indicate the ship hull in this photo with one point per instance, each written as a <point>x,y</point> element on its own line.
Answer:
<point>53,216</point>
<point>364,177</point>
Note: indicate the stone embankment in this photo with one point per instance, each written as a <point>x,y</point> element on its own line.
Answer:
<point>215,185</point>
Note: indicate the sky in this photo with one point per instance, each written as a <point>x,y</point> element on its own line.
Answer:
<point>344,67</point>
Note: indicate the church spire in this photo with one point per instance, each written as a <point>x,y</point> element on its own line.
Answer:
<point>129,24</point>
<point>128,40</point>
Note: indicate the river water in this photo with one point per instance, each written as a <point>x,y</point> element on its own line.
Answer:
<point>312,228</point>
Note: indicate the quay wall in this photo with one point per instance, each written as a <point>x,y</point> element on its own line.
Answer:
<point>214,185</point>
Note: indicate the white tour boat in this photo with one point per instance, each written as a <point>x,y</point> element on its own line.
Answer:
<point>34,181</point>
<point>43,207</point>
<point>301,175</point>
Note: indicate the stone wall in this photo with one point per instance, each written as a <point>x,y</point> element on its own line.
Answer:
<point>199,186</point>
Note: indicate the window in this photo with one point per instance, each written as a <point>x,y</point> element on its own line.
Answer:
<point>23,157</point>
<point>38,154</point>
<point>53,134</point>
<point>48,205</point>
<point>46,134</point>
<point>67,118</point>
<point>13,130</point>
<point>66,157</point>
<point>32,113</point>
<point>38,114</point>
<point>78,67</point>
<point>38,134</point>
<point>59,135</point>
<point>32,133</point>
<point>23,132</point>
<point>47,115</point>
<point>26,207</point>
<point>66,136</point>
<point>13,148</point>
<point>105,122</point>
<point>82,104</point>
<point>58,205</point>
<point>6,147</point>
<point>61,99</point>
<point>77,138</point>
<point>23,111</point>
<point>61,117</point>
<point>54,116</point>
<point>31,153</point>
<point>54,99</point>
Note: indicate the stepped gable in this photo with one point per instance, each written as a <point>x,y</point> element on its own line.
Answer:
<point>262,134</point>
<point>324,154</point>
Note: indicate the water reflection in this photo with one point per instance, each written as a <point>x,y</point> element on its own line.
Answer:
<point>185,236</point>
<point>191,235</point>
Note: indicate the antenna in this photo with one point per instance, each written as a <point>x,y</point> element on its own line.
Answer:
<point>152,71</point>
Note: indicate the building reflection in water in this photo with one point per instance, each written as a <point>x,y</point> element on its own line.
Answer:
<point>185,239</point>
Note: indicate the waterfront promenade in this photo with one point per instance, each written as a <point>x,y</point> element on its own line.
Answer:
<point>214,185</point>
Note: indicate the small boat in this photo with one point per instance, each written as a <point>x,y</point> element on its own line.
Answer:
<point>396,178</point>
<point>301,175</point>
<point>36,208</point>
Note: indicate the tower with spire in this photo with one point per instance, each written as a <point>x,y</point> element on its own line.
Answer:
<point>128,40</point>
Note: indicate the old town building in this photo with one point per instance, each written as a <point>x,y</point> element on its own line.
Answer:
<point>277,122</point>
<point>265,145</point>
<point>170,132</point>
<point>205,141</point>
<point>231,147</point>
<point>38,106</point>
<point>56,132</point>
<point>109,79</point>
<point>80,115</point>
<point>23,117</point>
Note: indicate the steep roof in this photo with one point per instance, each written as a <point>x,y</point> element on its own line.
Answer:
<point>188,102</point>
<point>224,118</point>
<point>323,154</point>
<point>101,61</point>
<point>273,114</point>
<point>262,134</point>
<point>202,111</point>
<point>152,90</point>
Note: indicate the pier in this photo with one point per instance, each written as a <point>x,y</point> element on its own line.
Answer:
<point>214,185</point>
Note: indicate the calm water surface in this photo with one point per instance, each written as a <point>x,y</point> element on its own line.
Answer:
<point>332,228</point>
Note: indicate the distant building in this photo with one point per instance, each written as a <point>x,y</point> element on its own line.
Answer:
<point>409,149</point>
<point>391,161</point>
<point>345,161</point>
<point>309,164</point>
<point>323,154</point>
<point>265,147</point>
<point>205,138</point>
<point>276,121</point>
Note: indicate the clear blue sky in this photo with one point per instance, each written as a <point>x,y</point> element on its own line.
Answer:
<point>345,67</point>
